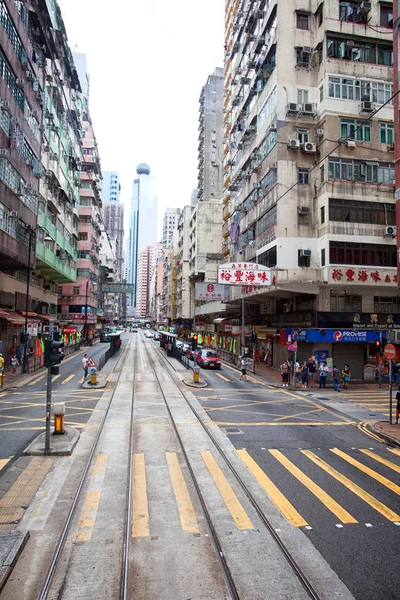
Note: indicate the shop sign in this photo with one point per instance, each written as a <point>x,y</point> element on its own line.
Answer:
<point>33,329</point>
<point>244,274</point>
<point>228,328</point>
<point>362,276</point>
<point>205,327</point>
<point>118,288</point>
<point>237,330</point>
<point>210,291</point>
<point>341,335</point>
<point>292,347</point>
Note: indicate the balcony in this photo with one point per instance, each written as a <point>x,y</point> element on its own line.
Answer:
<point>51,267</point>
<point>45,222</point>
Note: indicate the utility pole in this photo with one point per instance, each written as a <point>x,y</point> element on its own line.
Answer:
<point>48,395</point>
<point>242,336</point>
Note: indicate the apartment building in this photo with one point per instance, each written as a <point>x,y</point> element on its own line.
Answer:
<point>396,80</point>
<point>169,225</point>
<point>183,296</point>
<point>309,172</point>
<point>147,262</point>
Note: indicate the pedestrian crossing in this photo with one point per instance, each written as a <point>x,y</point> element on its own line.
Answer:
<point>3,463</point>
<point>64,381</point>
<point>340,487</point>
<point>374,401</point>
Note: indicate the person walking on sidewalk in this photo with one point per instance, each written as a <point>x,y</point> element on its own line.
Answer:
<point>398,407</point>
<point>243,369</point>
<point>14,363</point>
<point>312,370</point>
<point>85,367</point>
<point>323,374</point>
<point>346,376</point>
<point>336,379</point>
<point>304,375</point>
<point>298,372</point>
<point>285,373</point>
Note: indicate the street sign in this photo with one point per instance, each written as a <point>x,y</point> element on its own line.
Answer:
<point>243,273</point>
<point>210,291</point>
<point>390,351</point>
<point>118,288</point>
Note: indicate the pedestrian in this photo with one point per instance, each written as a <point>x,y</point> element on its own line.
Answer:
<point>336,378</point>
<point>243,368</point>
<point>312,370</point>
<point>1,369</point>
<point>323,374</point>
<point>14,364</point>
<point>346,376</point>
<point>285,373</point>
<point>85,367</point>
<point>169,348</point>
<point>304,375</point>
<point>298,372</point>
<point>18,354</point>
<point>398,407</point>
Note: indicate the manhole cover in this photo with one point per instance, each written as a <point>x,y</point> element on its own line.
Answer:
<point>233,430</point>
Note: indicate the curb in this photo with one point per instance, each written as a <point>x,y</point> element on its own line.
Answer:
<point>100,385</point>
<point>201,384</point>
<point>11,547</point>
<point>60,445</point>
<point>384,436</point>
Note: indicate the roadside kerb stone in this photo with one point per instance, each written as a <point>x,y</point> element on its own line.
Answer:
<point>11,546</point>
<point>60,445</point>
<point>380,428</point>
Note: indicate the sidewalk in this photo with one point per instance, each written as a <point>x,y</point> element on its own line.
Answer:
<point>390,432</point>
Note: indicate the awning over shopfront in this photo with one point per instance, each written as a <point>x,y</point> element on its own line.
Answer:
<point>12,317</point>
<point>30,314</point>
<point>220,320</point>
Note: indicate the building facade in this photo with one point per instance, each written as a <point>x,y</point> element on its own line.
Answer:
<point>114,225</point>
<point>169,225</point>
<point>309,171</point>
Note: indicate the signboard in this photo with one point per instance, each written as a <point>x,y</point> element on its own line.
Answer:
<point>292,347</point>
<point>389,352</point>
<point>118,288</point>
<point>237,330</point>
<point>238,273</point>
<point>339,335</point>
<point>210,291</point>
<point>205,327</point>
<point>32,329</point>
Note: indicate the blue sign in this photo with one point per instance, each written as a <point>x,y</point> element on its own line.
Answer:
<point>334,335</point>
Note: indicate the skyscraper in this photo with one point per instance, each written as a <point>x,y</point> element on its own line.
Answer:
<point>170,223</point>
<point>114,217</point>
<point>142,225</point>
<point>111,187</point>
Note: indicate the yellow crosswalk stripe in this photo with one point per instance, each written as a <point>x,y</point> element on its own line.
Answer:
<point>377,476</point>
<point>383,461</point>
<point>222,377</point>
<point>68,379</point>
<point>37,379</point>
<point>140,508</point>
<point>353,487</point>
<point>395,451</point>
<point>315,489</point>
<point>237,511</point>
<point>280,501</point>
<point>56,377</point>
<point>3,462</point>
<point>187,514</point>
<point>92,500</point>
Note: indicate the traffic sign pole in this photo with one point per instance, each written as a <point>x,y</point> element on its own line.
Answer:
<point>390,392</point>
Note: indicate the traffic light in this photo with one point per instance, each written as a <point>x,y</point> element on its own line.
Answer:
<point>377,347</point>
<point>194,342</point>
<point>53,354</point>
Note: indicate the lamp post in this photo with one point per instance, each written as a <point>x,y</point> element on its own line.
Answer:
<point>47,238</point>
<point>86,309</point>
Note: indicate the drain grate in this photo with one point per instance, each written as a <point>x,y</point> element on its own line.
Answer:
<point>233,431</point>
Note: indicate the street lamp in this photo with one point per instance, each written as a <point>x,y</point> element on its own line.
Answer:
<point>47,238</point>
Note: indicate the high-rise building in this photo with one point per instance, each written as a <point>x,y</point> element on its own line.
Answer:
<point>111,187</point>
<point>170,223</point>
<point>146,265</point>
<point>309,169</point>
<point>211,131</point>
<point>142,225</point>
<point>114,218</point>
<point>396,81</point>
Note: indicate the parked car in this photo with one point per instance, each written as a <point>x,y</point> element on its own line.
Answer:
<point>149,334</point>
<point>189,351</point>
<point>209,358</point>
<point>157,336</point>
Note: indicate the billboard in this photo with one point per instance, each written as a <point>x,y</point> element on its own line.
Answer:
<point>118,288</point>
<point>244,274</point>
<point>210,291</point>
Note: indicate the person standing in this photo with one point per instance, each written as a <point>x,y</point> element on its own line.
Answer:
<point>304,375</point>
<point>398,407</point>
<point>312,370</point>
<point>14,364</point>
<point>298,371</point>
<point>323,374</point>
<point>2,369</point>
<point>285,374</point>
<point>85,367</point>
<point>243,369</point>
<point>336,378</point>
<point>346,376</point>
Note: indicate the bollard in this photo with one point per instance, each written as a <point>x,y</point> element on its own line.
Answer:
<point>196,375</point>
<point>58,414</point>
<point>93,376</point>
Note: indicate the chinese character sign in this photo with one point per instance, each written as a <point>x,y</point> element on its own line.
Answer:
<point>250,274</point>
<point>118,288</point>
<point>210,291</point>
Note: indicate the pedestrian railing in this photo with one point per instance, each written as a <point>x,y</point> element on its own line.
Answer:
<point>234,359</point>
<point>182,357</point>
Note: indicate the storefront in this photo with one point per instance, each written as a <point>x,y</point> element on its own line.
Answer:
<point>206,335</point>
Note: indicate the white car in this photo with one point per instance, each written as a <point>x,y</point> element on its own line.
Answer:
<point>149,334</point>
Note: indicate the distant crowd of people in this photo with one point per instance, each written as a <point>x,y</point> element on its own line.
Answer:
<point>307,374</point>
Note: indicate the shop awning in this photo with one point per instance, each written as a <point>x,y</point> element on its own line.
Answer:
<point>12,317</point>
<point>46,317</point>
<point>30,314</point>
<point>220,320</point>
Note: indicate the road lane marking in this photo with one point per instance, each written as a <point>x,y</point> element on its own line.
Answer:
<point>68,379</point>
<point>56,377</point>
<point>280,424</point>
<point>187,514</point>
<point>92,500</point>
<point>383,461</point>
<point>353,487</point>
<point>222,377</point>
<point>3,462</point>
<point>395,451</point>
<point>377,476</point>
<point>280,501</point>
<point>315,489</point>
<point>35,381</point>
<point>140,508</point>
<point>237,511</point>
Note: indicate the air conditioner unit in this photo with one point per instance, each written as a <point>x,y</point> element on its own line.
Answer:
<point>14,214</point>
<point>364,8</point>
<point>5,105</point>
<point>273,166</point>
<point>367,106</point>
<point>307,50</point>
<point>19,83</point>
<point>308,108</point>
<point>319,133</point>
<point>305,253</point>
<point>272,127</point>
<point>391,230</point>
<point>293,108</point>
<point>309,148</point>
<point>30,76</point>
<point>293,143</point>
<point>35,113</point>
<point>4,152</point>
<point>303,210</point>
<point>350,144</point>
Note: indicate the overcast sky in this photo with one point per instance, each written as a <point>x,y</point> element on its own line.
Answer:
<point>148,60</point>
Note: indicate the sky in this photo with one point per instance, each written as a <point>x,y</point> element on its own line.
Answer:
<point>148,60</point>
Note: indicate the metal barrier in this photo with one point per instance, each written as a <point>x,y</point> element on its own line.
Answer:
<point>234,359</point>
<point>182,357</point>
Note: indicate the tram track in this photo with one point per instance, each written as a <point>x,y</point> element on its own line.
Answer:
<point>57,555</point>
<point>281,545</point>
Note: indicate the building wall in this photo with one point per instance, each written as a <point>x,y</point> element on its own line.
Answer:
<point>170,223</point>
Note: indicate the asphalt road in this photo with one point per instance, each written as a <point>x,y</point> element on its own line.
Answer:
<point>343,485</point>
<point>22,410</point>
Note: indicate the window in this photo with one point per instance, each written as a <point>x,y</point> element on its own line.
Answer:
<point>384,304</point>
<point>302,20</point>
<point>302,135</point>
<point>303,261</point>
<point>10,78</point>
<point>302,58</point>
<point>358,211</point>
<point>360,51</point>
<point>322,215</point>
<point>323,257</point>
<point>355,130</point>
<point>386,16</point>
<point>321,93</point>
<point>83,236</point>
<point>60,291</point>
<point>387,133</point>
<point>76,291</point>
<point>322,173</point>
<point>268,258</point>
<point>266,221</point>
<point>303,176</point>
<point>368,171</point>
<point>375,255</point>
<point>348,11</point>
<point>345,303</point>
<point>302,96</point>
<point>357,89</point>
